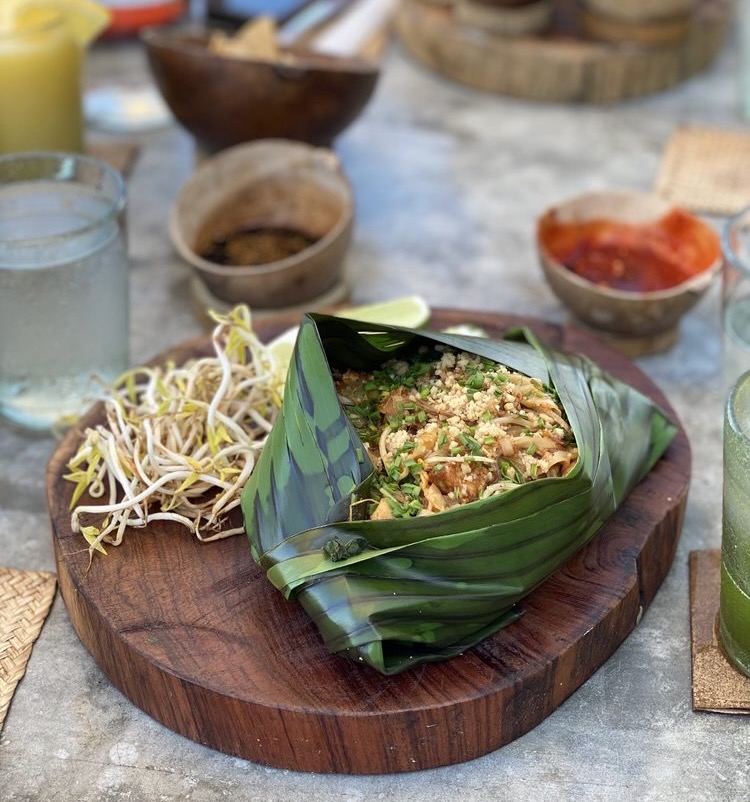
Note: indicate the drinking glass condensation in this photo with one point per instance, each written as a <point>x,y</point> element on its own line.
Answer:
<point>734,615</point>
<point>736,299</point>
<point>63,285</point>
<point>40,82</point>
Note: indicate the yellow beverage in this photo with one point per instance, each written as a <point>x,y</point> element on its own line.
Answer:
<point>40,83</point>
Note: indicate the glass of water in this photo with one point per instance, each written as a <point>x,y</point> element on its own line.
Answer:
<point>736,298</point>
<point>63,285</point>
<point>734,616</point>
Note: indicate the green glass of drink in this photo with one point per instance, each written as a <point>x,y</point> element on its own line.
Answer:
<point>735,298</point>
<point>734,616</point>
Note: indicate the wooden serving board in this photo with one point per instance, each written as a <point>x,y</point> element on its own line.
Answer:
<point>197,637</point>
<point>564,64</point>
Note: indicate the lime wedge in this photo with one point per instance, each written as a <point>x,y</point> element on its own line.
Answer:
<point>410,311</point>
<point>281,348</point>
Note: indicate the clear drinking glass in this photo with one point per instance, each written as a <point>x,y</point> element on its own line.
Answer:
<point>734,616</point>
<point>63,285</point>
<point>736,299</point>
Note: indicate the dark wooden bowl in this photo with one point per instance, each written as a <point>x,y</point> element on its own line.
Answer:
<point>224,101</point>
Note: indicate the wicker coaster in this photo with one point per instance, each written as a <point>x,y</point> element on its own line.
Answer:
<point>25,599</point>
<point>717,686</point>
<point>706,170</point>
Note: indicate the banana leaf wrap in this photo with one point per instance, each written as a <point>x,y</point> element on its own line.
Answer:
<point>395,593</point>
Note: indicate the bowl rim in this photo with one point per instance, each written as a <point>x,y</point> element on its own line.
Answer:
<point>696,283</point>
<point>730,252</point>
<point>325,156</point>
<point>191,39</point>
<point>614,194</point>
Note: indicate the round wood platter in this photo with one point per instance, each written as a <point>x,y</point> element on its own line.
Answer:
<point>563,64</point>
<point>194,634</point>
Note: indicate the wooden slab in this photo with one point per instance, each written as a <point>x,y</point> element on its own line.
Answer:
<point>564,64</point>
<point>195,635</point>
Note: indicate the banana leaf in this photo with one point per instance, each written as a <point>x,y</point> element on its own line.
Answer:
<point>396,593</point>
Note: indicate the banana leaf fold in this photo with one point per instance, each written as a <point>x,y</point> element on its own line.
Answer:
<point>396,593</point>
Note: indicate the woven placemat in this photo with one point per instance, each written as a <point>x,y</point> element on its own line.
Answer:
<point>717,686</point>
<point>25,599</point>
<point>706,170</point>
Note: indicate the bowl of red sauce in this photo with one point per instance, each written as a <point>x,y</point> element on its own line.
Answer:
<point>628,264</point>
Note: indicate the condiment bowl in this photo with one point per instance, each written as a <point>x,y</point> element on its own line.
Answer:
<point>224,101</point>
<point>642,321</point>
<point>642,10</point>
<point>271,185</point>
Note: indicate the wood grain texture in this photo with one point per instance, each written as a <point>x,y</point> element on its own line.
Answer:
<point>563,65</point>
<point>225,101</point>
<point>195,635</point>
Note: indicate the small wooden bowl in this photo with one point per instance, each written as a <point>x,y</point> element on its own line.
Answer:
<point>635,322</point>
<point>268,184</point>
<point>644,33</point>
<point>503,19</point>
<point>642,10</point>
<point>224,101</point>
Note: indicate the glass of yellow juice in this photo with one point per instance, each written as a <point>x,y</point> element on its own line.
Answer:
<point>734,615</point>
<point>40,83</point>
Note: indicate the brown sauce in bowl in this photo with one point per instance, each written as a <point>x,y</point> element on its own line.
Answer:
<point>256,246</point>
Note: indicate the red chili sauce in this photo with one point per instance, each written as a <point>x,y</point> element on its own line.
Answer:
<point>635,257</point>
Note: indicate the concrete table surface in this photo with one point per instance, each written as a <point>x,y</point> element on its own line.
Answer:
<point>448,182</point>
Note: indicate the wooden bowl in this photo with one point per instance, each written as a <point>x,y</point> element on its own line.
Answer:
<point>224,101</point>
<point>644,33</point>
<point>272,185</point>
<point>642,10</point>
<point>638,322</point>
<point>505,19</point>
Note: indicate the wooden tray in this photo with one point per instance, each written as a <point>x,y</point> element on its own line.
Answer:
<point>195,635</point>
<point>563,65</point>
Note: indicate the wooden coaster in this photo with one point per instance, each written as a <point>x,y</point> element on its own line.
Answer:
<point>706,170</point>
<point>25,599</point>
<point>120,155</point>
<point>205,301</point>
<point>633,346</point>
<point>717,686</point>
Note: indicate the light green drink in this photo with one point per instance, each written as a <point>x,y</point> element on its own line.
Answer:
<point>734,625</point>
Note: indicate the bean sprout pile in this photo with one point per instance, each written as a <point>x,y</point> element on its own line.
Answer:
<point>179,443</point>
